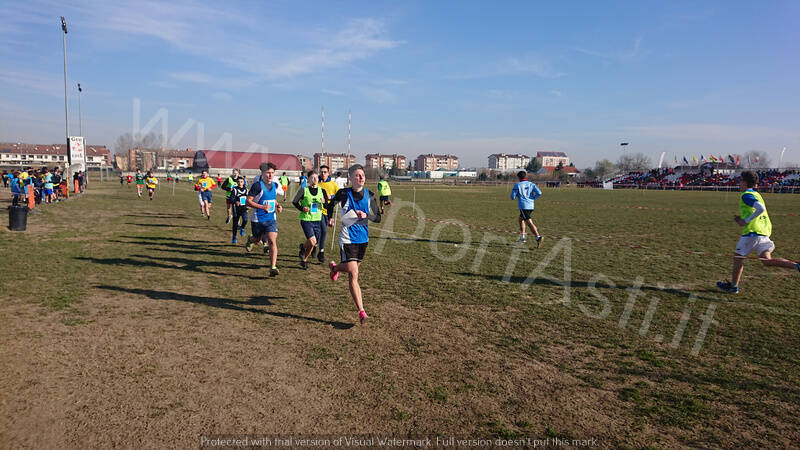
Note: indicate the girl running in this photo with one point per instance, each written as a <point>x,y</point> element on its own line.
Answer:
<point>358,206</point>
<point>139,182</point>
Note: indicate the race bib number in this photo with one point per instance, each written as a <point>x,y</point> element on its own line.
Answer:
<point>270,206</point>
<point>314,208</point>
<point>204,184</point>
<point>242,201</point>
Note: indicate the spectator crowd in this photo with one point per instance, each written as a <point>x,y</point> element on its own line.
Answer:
<point>45,184</point>
<point>669,179</point>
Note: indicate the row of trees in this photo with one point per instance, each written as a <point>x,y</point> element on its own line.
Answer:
<point>639,162</point>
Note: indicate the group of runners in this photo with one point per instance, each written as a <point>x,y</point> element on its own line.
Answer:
<point>143,181</point>
<point>319,194</point>
<point>316,200</point>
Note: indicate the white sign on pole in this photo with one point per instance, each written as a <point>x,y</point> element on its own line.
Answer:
<point>77,153</point>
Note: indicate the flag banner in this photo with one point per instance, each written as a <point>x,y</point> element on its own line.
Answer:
<point>608,185</point>
<point>661,160</point>
<point>730,157</point>
<point>685,161</point>
<point>738,159</point>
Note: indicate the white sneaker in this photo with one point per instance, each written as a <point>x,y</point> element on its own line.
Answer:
<point>521,239</point>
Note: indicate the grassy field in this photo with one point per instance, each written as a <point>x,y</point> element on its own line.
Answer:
<point>128,322</point>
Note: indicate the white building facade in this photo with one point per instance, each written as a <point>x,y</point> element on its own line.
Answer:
<point>502,161</point>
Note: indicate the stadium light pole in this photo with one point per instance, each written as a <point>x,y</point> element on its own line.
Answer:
<point>66,101</point>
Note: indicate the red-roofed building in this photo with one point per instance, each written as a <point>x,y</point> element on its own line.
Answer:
<point>224,161</point>
<point>19,154</point>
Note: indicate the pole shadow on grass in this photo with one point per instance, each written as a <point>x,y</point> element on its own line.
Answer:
<point>194,243</point>
<point>584,284</point>
<point>158,216</point>
<point>226,303</point>
<point>187,265</point>
<point>163,225</point>
<point>476,244</point>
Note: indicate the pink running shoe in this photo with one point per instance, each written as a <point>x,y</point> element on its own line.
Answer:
<point>362,316</point>
<point>334,273</point>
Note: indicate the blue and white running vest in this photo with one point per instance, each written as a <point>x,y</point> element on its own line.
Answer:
<point>354,230</point>
<point>266,197</point>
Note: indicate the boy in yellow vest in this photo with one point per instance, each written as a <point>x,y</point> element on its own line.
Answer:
<point>151,182</point>
<point>330,187</point>
<point>756,231</point>
<point>385,193</point>
<point>310,201</point>
<point>205,184</point>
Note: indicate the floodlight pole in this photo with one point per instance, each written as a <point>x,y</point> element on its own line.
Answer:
<point>66,102</point>
<point>80,114</point>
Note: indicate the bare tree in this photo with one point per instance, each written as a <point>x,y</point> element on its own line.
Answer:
<point>756,159</point>
<point>128,141</point>
<point>636,162</point>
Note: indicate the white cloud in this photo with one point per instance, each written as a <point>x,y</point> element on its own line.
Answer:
<point>378,95</point>
<point>162,84</point>
<point>624,55</point>
<point>267,47</point>
<point>514,65</point>
<point>389,82</point>
<point>192,77</point>
<point>556,92</point>
<point>358,39</point>
<point>224,96</point>
<point>42,82</point>
<point>332,92</point>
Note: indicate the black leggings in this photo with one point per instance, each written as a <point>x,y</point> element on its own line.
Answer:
<point>323,232</point>
<point>239,212</point>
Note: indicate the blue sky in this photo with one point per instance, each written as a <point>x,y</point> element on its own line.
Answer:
<point>468,78</point>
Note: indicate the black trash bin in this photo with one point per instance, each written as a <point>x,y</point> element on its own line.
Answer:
<point>17,218</point>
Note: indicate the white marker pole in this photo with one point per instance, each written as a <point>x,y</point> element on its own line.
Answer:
<point>333,228</point>
<point>415,198</point>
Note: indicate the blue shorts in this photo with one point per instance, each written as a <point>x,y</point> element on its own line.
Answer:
<point>48,191</point>
<point>261,228</point>
<point>312,228</point>
<point>206,196</point>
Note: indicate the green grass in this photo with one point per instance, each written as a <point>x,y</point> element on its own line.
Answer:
<point>468,332</point>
